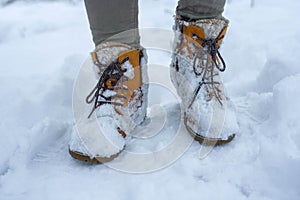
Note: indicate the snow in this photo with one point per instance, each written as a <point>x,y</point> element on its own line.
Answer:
<point>42,46</point>
<point>129,70</point>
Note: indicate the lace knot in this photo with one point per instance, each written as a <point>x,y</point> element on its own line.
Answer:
<point>108,81</point>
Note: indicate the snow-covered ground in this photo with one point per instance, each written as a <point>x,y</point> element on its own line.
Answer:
<point>42,46</point>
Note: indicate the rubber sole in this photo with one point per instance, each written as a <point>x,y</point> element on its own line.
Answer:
<point>207,140</point>
<point>97,160</point>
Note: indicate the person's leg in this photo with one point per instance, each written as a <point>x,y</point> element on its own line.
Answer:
<point>118,99</point>
<point>110,17</point>
<point>200,9</point>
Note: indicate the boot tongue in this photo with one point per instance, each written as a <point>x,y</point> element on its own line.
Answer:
<point>106,53</point>
<point>211,27</point>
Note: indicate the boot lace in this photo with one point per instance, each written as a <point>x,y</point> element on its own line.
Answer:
<point>208,73</point>
<point>108,81</point>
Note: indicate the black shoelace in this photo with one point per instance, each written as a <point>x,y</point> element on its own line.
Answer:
<point>108,81</point>
<point>213,50</point>
<point>208,72</point>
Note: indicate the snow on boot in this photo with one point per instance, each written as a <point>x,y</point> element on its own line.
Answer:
<point>195,73</point>
<point>119,102</point>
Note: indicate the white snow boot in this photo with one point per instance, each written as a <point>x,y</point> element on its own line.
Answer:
<point>195,73</point>
<point>119,102</point>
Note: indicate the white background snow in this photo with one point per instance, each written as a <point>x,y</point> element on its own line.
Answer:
<point>42,46</point>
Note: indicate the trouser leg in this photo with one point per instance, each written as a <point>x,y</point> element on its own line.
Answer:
<point>108,18</point>
<point>200,9</point>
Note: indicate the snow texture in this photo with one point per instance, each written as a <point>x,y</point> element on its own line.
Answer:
<point>42,46</point>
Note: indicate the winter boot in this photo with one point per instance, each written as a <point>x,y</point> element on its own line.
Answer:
<point>195,73</point>
<point>118,102</point>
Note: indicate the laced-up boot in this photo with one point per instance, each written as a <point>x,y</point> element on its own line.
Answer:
<point>118,101</point>
<point>195,72</point>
